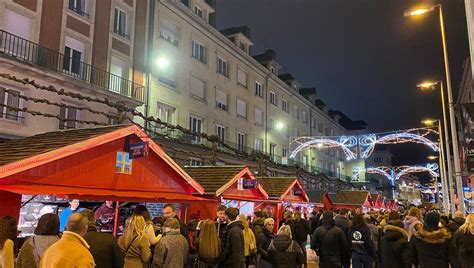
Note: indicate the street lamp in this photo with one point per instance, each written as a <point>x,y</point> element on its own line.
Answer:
<point>442,167</point>
<point>432,157</point>
<point>457,164</point>
<point>279,125</point>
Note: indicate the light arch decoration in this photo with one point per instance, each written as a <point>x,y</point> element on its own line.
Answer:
<point>348,144</point>
<point>430,168</point>
<point>384,171</point>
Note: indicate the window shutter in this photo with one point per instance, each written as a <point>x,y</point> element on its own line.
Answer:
<point>241,77</point>
<point>221,97</point>
<point>197,87</point>
<point>241,108</point>
<point>258,116</point>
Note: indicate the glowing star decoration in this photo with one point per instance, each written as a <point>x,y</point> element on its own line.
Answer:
<point>348,144</point>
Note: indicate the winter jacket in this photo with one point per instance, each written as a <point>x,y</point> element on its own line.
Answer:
<point>7,256</point>
<point>393,247</point>
<point>454,225</point>
<point>70,251</point>
<point>361,241</point>
<point>171,251</point>
<point>104,249</point>
<point>410,222</point>
<point>301,231</point>
<point>284,252</point>
<point>375,234</point>
<point>250,243</point>
<point>138,254</point>
<point>222,232</point>
<point>258,226</point>
<point>343,223</point>
<point>330,243</point>
<point>429,248</point>
<point>464,244</point>
<point>33,249</point>
<point>263,242</point>
<point>315,222</point>
<point>233,255</point>
<point>290,223</point>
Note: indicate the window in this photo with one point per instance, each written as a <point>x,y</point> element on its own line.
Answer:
<point>377,159</point>
<point>119,71</point>
<point>166,113</point>
<point>272,151</point>
<point>220,131</point>
<point>241,108</point>
<point>221,100</point>
<point>259,144</point>
<point>197,88</point>
<point>79,7</point>
<point>284,105</point>
<point>199,51</point>
<point>304,116</point>
<point>68,113</point>
<point>320,127</point>
<point>258,89</point>
<point>240,141</point>
<point>241,78</point>
<point>199,12</point>
<point>222,66</point>
<point>195,162</point>
<point>296,112</point>
<point>195,125</point>
<point>313,123</point>
<point>284,156</point>
<point>169,32</point>
<point>120,23</point>
<point>258,117</point>
<point>73,55</point>
<point>296,132</point>
<point>10,100</point>
<point>273,99</point>
<point>305,161</point>
<point>168,76</point>
<point>273,70</point>
<point>243,46</point>
<point>271,123</point>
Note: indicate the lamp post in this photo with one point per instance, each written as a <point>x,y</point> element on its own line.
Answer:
<point>457,164</point>
<point>442,167</point>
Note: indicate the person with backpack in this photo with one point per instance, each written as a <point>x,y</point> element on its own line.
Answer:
<point>329,242</point>
<point>283,251</point>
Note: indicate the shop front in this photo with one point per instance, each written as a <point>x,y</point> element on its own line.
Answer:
<point>233,186</point>
<point>114,163</point>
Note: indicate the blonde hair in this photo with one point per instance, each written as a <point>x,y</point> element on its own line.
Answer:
<point>415,212</point>
<point>135,226</point>
<point>209,244</point>
<point>244,221</point>
<point>285,229</point>
<point>468,226</point>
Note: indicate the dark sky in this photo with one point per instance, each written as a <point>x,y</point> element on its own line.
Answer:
<point>363,56</point>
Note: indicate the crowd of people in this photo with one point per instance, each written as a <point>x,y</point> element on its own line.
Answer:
<point>412,238</point>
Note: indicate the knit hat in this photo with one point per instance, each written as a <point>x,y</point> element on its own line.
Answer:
<point>328,216</point>
<point>432,220</point>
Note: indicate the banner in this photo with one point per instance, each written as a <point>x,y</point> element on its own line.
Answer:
<point>249,183</point>
<point>137,150</point>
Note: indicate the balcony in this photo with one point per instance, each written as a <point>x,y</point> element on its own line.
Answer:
<point>32,53</point>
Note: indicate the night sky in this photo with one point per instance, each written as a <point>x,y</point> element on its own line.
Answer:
<point>363,56</point>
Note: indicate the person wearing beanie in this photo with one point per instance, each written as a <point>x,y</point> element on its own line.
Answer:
<point>329,242</point>
<point>430,243</point>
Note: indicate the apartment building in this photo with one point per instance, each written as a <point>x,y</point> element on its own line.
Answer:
<point>211,83</point>
<point>88,47</point>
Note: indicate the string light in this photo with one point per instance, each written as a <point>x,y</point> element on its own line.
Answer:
<point>346,143</point>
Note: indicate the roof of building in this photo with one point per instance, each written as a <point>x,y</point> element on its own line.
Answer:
<point>245,30</point>
<point>346,122</point>
<point>315,196</point>
<point>267,56</point>
<point>286,77</point>
<point>212,178</point>
<point>276,186</point>
<point>320,104</point>
<point>15,150</point>
<point>307,91</point>
<point>350,197</point>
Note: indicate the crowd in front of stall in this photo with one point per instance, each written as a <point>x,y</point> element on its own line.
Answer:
<point>340,238</point>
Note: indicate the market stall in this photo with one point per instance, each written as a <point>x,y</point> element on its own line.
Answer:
<point>234,186</point>
<point>283,192</point>
<point>117,163</point>
<point>352,200</point>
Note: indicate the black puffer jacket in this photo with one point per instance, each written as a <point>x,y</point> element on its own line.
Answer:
<point>263,242</point>
<point>393,247</point>
<point>285,253</point>
<point>453,253</point>
<point>234,251</point>
<point>464,244</point>
<point>454,225</point>
<point>301,231</point>
<point>330,243</point>
<point>429,248</point>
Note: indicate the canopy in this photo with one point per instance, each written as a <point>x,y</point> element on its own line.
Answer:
<point>82,163</point>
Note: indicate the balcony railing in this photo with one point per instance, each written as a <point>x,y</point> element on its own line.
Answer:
<point>30,52</point>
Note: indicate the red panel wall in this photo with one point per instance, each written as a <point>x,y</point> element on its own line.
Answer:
<point>10,204</point>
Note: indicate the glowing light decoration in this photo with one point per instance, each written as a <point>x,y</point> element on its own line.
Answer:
<point>384,171</point>
<point>348,144</point>
<point>431,168</point>
<point>362,146</point>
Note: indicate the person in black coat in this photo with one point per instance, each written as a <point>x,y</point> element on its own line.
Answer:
<point>393,246</point>
<point>316,220</point>
<point>103,246</point>
<point>263,242</point>
<point>452,227</point>
<point>283,251</point>
<point>329,242</point>
<point>342,221</point>
<point>362,245</point>
<point>233,254</point>
<point>429,244</point>
<point>463,241</point>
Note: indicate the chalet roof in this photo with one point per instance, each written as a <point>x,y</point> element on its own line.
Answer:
<point>212,178</point>
<point>15,150</point>
<point>276,186</point>
<point>350,197</point>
